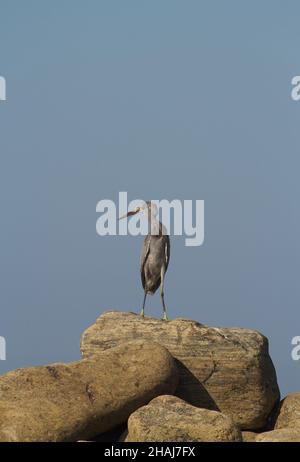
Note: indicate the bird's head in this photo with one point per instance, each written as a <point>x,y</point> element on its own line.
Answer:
<point>138,209</point>
<point>145,206</point>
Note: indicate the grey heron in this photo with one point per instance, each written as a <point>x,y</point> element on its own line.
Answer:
<point>155,255</point>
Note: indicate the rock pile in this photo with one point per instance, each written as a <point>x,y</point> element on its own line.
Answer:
<point>142,379</point>
<point>227,370</point>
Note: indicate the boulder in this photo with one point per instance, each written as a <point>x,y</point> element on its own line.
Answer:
<point>76,401</point>
<point>288,413</point>
<point>283,435</point>
<point>227,370</point>
<point>170,419</point>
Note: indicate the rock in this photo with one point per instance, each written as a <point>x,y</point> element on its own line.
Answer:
<point>284,435</point>
<point>249,437</point>
<point>76,401</point>
<point>170,419</point>
<point>228,370</point>
<point>288,413</point>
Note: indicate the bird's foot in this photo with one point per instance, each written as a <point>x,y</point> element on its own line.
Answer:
<point>165,317</point>
<point>142,313</point>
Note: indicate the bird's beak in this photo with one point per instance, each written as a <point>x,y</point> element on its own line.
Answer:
<point>129,214</point>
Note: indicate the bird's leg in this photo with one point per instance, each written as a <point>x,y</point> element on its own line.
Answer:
<point>143,309</point>
<point>165,316</point>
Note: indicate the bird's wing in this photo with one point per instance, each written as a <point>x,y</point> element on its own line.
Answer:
<point>167,251</point>
<point>144,255</point>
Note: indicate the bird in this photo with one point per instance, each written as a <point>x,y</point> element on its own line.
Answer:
<point>155,255</point>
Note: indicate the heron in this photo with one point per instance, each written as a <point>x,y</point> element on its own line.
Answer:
<point>155,255</point>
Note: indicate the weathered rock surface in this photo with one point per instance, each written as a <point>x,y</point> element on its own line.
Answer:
<point>168,418</point>
<point>283,435</point>
<point>76,401</point>
<point>249,437</point>
<point>288,414</point>
<point>229,370</point>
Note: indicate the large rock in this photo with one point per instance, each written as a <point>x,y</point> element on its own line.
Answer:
<point>76,401</point>
<point>229,370</point>
<point>170,419</point>
<point>288,414</point>
<point>284,435</point>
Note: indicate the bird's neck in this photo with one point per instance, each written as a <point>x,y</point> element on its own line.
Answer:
<point>156,228</point>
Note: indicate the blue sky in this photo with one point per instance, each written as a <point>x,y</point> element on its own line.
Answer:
<point>172,99</point>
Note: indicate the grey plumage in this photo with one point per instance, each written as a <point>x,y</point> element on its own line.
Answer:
<point>155,258</point>
<point>155,255</point>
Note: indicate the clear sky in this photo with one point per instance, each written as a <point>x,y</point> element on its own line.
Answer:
<point>163,99</point>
